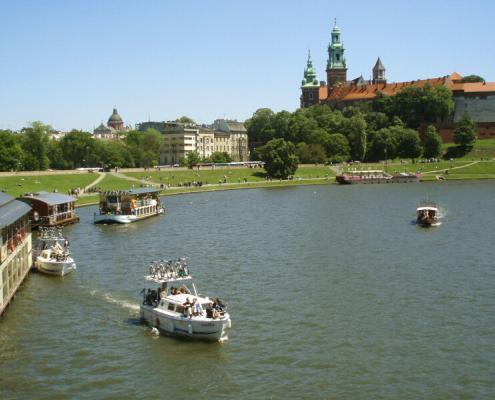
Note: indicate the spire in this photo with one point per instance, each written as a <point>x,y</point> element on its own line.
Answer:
<point>310,78</point>
<point>379,72</point>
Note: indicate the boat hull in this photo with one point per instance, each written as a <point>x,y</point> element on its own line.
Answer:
<point>348,180</point>
<point>201,328</point>
<point>123,218</point>
<point>58,268</point>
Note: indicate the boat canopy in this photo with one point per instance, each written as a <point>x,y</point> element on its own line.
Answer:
<point>11,210</point>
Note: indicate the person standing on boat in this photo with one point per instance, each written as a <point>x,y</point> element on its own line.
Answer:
<point>188,308</point>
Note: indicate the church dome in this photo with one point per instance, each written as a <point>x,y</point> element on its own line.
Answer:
<point>115,117</point>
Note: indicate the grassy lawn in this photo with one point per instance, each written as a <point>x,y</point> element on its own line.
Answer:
<point>482,149</point>
<point>232,175</point>
<point>111,182</point>
<point>18,185</point>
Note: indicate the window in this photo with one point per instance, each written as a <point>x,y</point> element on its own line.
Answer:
<point>171,306</point>
<point>337,57</point>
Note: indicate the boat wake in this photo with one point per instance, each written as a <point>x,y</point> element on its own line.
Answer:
<point>123,303</point>
<point>112,300</point>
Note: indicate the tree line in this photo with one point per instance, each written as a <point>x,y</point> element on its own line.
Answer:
<point>34,149</point>
<point>385,128</point>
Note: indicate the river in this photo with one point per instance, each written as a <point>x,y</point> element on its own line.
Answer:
<point>333,293</point>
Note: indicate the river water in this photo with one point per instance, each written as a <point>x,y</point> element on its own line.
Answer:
<point>333,293</point>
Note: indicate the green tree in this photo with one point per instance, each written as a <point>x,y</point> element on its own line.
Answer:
<point>472,78</point>
<point>34,143</point>
<point>185,120</point>
<point>337,148</point>
<point>408,143</point>
<point>78,149</point>
<point>432,143</point>
<point>10,152</point>
<point>465,133</point>
<point>116,154</point>
<point>280,158</point>
<point>437,103</point>
<point>260,127</point>
<point>220,157</point>
<point>310,153</point>
<point>192,159</point>
<point>383,143</point>
<point>355,129</point>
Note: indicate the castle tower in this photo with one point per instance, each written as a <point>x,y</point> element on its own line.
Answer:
<point>336,68</point>
<point>115,121</point>
<point>309,86</point>
<point>379,72</point>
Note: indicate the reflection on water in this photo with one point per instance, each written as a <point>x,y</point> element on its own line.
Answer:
<point>332,294</point>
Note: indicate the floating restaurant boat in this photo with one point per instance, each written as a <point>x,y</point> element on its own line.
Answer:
<point>126,206</point>
<point>375,176</point>
<point>50,209</point>
<point>427,214</point>
<point>173,305</point>
<point>15,247</point>
<point>52,255</point>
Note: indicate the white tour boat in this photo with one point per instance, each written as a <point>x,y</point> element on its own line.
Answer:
<point>427,214</point>
<point>174,307</point>
<point>126,206</point>
<point>52,254</point>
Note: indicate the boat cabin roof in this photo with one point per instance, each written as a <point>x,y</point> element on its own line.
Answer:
<point>168,280</point>
<point>426,208</point>
<point>51,199</point>
<point>11,210</point>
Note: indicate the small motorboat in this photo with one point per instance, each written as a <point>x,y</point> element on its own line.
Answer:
<point>173,306</point>
<point>427,214</point>
<point>52,254</point>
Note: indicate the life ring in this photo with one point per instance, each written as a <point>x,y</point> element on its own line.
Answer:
<point>133,203</point>
<point>36,216</point>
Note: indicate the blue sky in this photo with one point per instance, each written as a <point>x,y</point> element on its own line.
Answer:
<point>68,63</point>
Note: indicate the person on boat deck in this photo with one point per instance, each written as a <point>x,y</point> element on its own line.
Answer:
<point>188,308</point>
<point>174,290</point>
<point>197,308</point>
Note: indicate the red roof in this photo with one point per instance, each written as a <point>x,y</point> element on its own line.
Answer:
<point>353,92</point>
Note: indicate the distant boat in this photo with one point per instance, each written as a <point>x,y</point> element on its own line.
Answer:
<point>126,206</point>
<point>375,176</point>
<point>427,214</point>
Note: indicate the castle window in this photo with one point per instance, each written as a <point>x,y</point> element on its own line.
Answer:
<point>311,96</point>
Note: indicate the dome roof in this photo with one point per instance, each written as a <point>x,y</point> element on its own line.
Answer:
<point>115,117</point>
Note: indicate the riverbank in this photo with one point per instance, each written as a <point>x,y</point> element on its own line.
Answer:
<point>177,181</point>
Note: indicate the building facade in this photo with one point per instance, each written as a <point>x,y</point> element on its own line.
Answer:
<point>15,247</point>
<point>180,139</point>
<point>476,99</point>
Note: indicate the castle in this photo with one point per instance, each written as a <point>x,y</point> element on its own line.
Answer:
<point>475,98</point>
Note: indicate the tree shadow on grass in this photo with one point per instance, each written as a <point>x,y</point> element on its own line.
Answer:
<point>259,174</point>
<point>455,152</point>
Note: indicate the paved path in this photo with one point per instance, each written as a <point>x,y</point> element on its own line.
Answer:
<point>96,181</point>
<point>447,169</point>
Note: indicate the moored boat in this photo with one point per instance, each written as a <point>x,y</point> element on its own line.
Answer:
<point>126,206</point>
<point>427,214</point>
<point>173,305</point>
<point>52,256</point>
<point>375,176</point>
<point>50,209</point>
